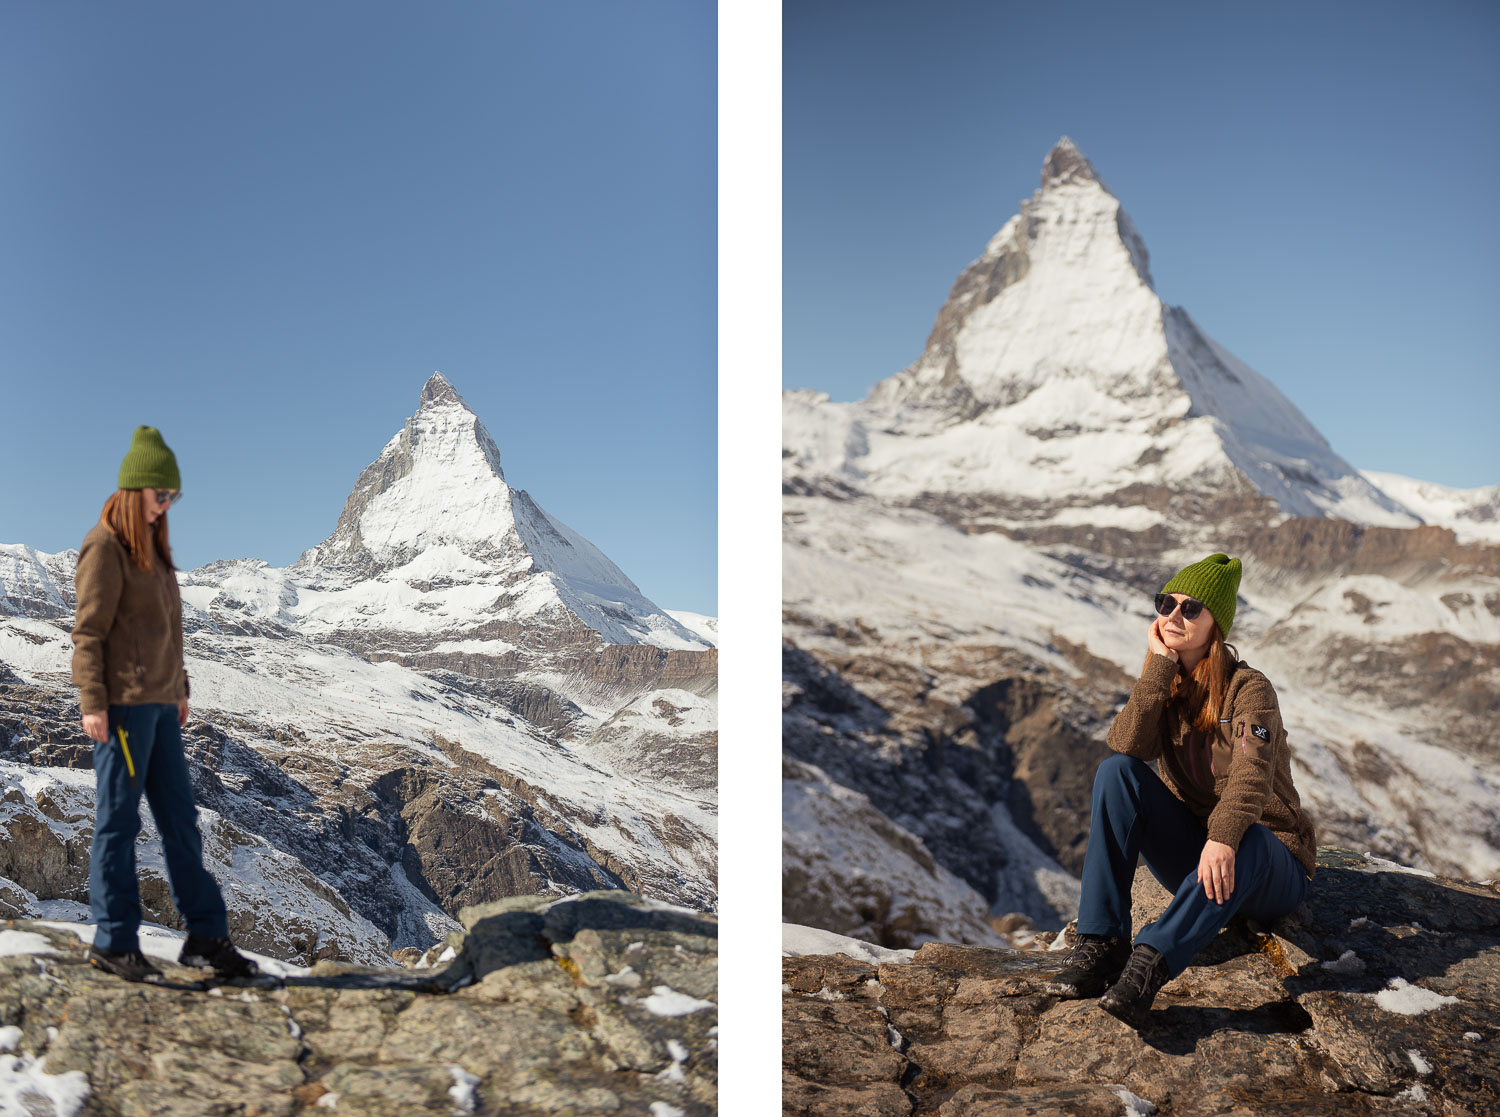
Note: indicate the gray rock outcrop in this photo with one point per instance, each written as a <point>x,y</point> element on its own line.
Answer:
<point>601,1003</point>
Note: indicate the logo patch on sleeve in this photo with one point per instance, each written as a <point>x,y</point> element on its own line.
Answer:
<point>1261,731</point>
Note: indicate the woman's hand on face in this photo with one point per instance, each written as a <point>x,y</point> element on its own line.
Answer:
<point>1216,871</point>
<point>1154,642</point>
<point>97,726</point>
<point>182,712</point>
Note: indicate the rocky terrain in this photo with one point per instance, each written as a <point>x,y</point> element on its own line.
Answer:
<point>1380,995</point>
<point>453,699</point>
<point>968,564</point>
<point>599,1003</point>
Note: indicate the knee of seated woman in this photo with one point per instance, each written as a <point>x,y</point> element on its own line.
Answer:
<point>1118,764</point>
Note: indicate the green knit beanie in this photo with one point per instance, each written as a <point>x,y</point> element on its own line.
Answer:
<point>149,465</point>
<point>1214,581</point>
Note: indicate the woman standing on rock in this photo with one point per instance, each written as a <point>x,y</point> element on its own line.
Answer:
<point>133,692</point>
<point>1220,826</point>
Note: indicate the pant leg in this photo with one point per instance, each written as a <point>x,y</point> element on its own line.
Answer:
<point>170,793</point>
<point>1268,883</point>
<point>1134,817</point>
<point>114,895</point>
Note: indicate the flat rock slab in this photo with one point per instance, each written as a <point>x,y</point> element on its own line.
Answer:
<point>1380,995</point>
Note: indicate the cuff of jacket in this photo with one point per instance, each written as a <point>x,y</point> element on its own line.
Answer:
<point>93,701</point>
<point>1228,831</point>
<point>1160,671</point>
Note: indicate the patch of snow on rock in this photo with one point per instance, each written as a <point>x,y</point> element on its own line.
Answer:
<point>1396,867</point>
<point>1135,1106</point>
<point>666,1001</point>
<point>1348,964</point>
<point>462,1090</point>
<point>24,1082</point>
<point>1401,996</point>
<point>23,942</point>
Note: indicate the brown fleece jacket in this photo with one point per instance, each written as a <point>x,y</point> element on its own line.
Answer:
<point>1238,778</point>
<point>127,630</point>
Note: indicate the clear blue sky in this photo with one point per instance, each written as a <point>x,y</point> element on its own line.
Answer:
<point>261,227</point>
<point>1316,184</point>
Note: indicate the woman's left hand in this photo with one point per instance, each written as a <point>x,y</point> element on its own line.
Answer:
<point>182,712</point>
<point>1216,871</point>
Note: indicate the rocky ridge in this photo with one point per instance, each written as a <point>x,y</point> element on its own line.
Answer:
<point>603,1002</point>
<point>1380,995</point>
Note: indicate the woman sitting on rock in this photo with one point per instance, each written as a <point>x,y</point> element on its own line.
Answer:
<point>133,694</point>
<point>1219,823</point>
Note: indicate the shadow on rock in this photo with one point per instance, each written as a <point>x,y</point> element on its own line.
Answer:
<point>1178,1029</point>
<point>579,930</point>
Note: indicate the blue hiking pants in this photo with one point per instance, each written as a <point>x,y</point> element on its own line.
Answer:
<point>148,739</point>
<point>1135,816</point>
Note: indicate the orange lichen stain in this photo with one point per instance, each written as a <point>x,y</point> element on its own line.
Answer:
<point>1268,946</point>
<point>570,967</point>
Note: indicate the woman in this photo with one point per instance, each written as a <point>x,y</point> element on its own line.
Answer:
<point>133,692</point>
<point>1219,823</point>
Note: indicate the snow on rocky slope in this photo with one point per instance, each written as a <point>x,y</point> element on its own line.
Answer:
<point>969,556</point>
<point>47,817</point>
<point>410,710</point>
<point>1473,514</point>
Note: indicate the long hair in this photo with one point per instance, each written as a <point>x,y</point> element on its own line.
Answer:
<point>1202,691</point>
<point>125,515</point>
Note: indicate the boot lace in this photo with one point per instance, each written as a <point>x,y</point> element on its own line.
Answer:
<point>1139,970</point>
<point>1087,951</point>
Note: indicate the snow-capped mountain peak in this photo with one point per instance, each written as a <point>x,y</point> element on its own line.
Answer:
<point>437,482</point>
<point>434,513</point>
<point>1054,369</point>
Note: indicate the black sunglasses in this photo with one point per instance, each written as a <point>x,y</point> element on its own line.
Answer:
<point>168,497</point>
<point>1166,605</point>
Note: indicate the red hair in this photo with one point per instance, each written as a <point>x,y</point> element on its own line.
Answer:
<point>1203,689</point>
<point>125,515</point>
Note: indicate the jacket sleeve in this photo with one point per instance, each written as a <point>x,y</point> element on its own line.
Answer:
<point>1256,734</point>
<point>1136,730</point>
<point>98,582</point>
